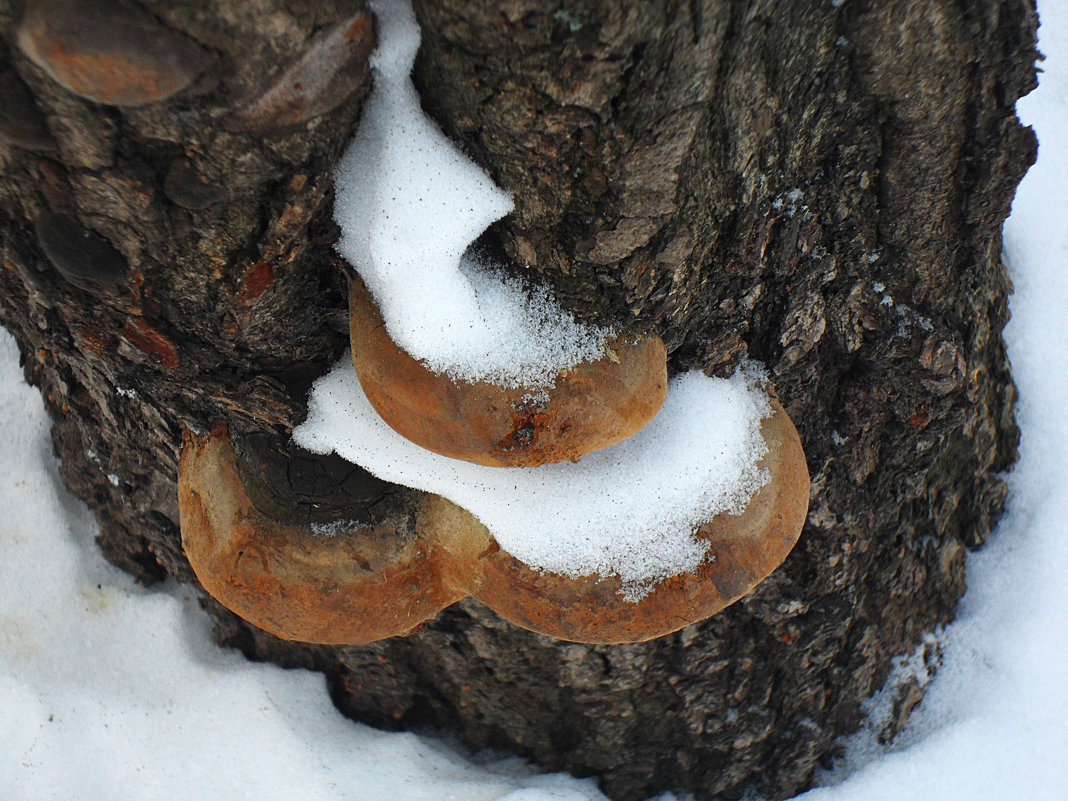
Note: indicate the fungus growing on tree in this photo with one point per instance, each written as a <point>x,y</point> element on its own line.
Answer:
<point>348,583</point>
<point>332,69</point>
<point>80,255</point>
<point>742,550</point>
<point>586,407</point>
<point>572,488</point>
<point>352,583</point>
<point>629,542</point>
<point>109,51</point>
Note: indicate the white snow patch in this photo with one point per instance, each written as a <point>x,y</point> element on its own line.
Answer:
<point>628,510</point>
<point>113,692</point>
<point>409,203</point>
<point>530,337</point>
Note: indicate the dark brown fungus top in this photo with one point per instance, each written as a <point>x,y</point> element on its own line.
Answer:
<point>78,253</point>
<point>109,51</point>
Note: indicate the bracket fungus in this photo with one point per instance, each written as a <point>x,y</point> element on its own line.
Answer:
<point>80,255</point>
<point>363,584</point>
<point>743,550</point>
<point>360,583</point>
<point>109,51</point>
<point>566,485</point>
<point>588,406</point>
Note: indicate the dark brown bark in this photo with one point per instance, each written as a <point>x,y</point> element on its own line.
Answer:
<point>817,186</point>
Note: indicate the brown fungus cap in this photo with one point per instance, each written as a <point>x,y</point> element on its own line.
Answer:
<point>590,406</point>
<point>110,51</point>
<point>371,582</point>
<point>350,586</point>
<point>743,550</point>
<point>333,68</point>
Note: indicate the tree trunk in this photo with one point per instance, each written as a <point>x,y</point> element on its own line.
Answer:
<point>816,185</point>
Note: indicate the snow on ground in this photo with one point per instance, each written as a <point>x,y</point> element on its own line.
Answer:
<point>111,692</point>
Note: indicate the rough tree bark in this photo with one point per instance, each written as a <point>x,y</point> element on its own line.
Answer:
<point>817,185</point>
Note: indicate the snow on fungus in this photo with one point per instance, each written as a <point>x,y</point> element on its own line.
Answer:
<point>484,395</point>
<point>739,551</point>
<point>586,407</point>
<point>409,203</point>
<point>455,356</point>
<point>361,583</point>
<point>631,542</point>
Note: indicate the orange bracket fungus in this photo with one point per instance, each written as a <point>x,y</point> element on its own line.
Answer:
<point>363,584</point>
<point>109,51</point>
<point>588,406</point>
<point>359,583</point>
<point>566,483</point>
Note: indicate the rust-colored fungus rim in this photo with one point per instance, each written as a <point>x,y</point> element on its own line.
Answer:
<point>355,586</point>
<point>590,406</point>
<point>373,582</point>
<point>742,551</point>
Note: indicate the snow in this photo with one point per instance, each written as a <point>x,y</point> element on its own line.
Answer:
<point>993,722</point>
<point>409,204</point>
<point>111,692</point>
<point>629,509</point>
<point>114,692</point>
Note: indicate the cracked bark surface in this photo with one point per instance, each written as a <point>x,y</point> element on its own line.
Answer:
<point>821,188</point>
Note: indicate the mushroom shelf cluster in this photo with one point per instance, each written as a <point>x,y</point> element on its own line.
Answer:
<point>409,205</point>
<point>366,582</point>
